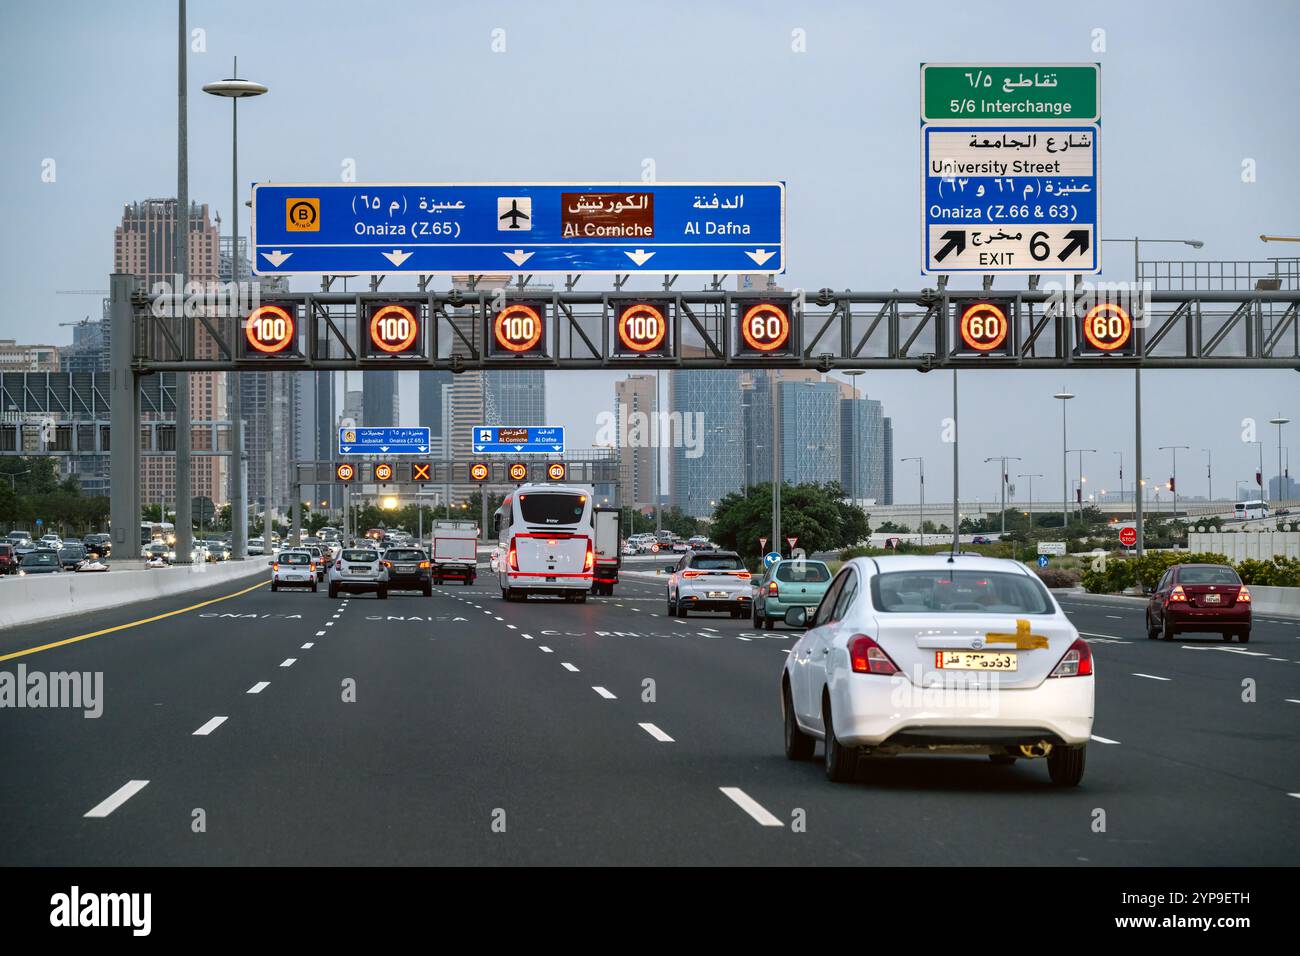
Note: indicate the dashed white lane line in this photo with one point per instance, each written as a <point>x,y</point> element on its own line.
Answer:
<point>1238,650</point>
<point>739,638</point>
<point>1282,659</point>
<point>259,687</point>
<point>1152,677</point>
<point>1292,700</point>
<point>604,693</point>
<point>1115,617</point>
<point>117,798</point>
<point>751,806</point>
<point>308,646</point>
<point>288,662</point>
<point>526,637</point>
<point>512,627</point>
<point>544,649</point>
<point>656,733</point>
<point>495,618</point>
<point>653,614</point>
<point>210,726</point>
<point>1104,740</point>
<point>713,629</point>
<point>320,633</point>
<point>569,667</point>
<point>1296,795</point>
<point>329,623</point>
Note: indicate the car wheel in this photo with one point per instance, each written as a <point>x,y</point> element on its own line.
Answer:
<point>581,599</point>
<point>334,591</point>
<point>469,580</point>
<point>841,761</point>
<point>428,590</point>
<point>758,620</point>
<point>672,611</point>
<point>768,624</point>
<point>275,586</point>
<point>682,611</point>
<point>798,745</point>
<point>1167,632</point>
<point>1151,631</point>
<point>1065,765</point>
<point>313,587</point>
<point>1244,637</point>
<point>383,594</point>
<point>1002,760</point>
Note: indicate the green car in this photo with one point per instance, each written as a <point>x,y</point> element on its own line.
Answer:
<point>788,584</point>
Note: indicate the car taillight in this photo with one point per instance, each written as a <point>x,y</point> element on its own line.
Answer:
<point>590,561</point>
<point>1077,661</point>
<point>512,559</point>
<point>1177,594</point>
<point>275,567</point>
<point>425,564</point>
<point>1243,596</point>
<point>692,574</point>
<point>868,657</point>
<point>772,588</point>
<point>312,566</point>
<point>743,575</point>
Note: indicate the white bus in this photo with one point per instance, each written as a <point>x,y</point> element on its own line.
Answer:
<point>1245,510</point>
<point>547,542</point>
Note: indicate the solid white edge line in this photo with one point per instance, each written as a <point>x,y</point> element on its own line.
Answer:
<point>1151,676</point>
<point>1104,740</point>
<point>210,726</point>
<point>751,806</point>
<point>259,687</point>
<point>604,693</point>
<point>656,733</point>
<point>117,798</point>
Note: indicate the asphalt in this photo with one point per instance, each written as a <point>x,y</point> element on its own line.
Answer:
<point>469,741</point>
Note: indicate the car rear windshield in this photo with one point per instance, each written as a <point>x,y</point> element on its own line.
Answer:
<point>551,508</point>
<point>6,549</point>
<point>295,558</point>
<point>72,550</point>
<point>958,592</point>
<point>802,572</point>
<point>360,556</point>
<point>1210,575</point>
<point>34,559</point>
<point>404,554</point>
<point>721,562</point>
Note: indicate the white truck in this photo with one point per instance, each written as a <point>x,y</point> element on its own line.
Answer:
<point>608,554</point>
<point>454,551</point>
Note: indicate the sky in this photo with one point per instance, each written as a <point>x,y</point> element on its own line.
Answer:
<point>710,91</point>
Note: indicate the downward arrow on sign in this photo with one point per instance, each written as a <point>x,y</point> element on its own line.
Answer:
<point>397,256</point>
<point>519,257</point>
<point>276,258</point>
<point>760,255</point>
<point>640,257</point>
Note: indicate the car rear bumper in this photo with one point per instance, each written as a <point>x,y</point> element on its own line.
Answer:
<point>358,585</point>
<point>702,602</point>
<point>549,583</point>
<point>1208,619</point>
<point>399,582</point>
<point>893,713</point>
<point>776,608</point>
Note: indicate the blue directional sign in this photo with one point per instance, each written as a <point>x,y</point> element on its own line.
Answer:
<point>1010,199</point>
<point>771,558</point>
<point>475,228</point>
<point>384,441</point>
<point>1042,560</point>
<point>522,440</point>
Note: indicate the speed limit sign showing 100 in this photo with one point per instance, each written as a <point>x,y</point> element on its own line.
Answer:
<point>983,327</point>
<point>393,329</point>
<point>270,331</point>
<point>519,329</point>
<point>641,327</point>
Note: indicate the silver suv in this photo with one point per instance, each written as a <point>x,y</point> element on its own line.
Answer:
<point>358,570</point>
<point>709,581</point>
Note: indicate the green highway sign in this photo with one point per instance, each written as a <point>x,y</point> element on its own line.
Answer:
<point>1010,92</point>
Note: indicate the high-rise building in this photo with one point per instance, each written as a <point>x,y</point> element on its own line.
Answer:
<point>514,397</point>
<point>888,445</point>
<point>862,448</point>
<point>432,404</point>
<point>380,401</point>
<point>1283,488</point>
<point>28,358</point>
<point>637,424</point>
<point>708,446</point>
<point>143,246</point>
<point>810,432</point>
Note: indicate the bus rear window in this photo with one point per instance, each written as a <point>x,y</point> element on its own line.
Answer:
<point>552,508</point>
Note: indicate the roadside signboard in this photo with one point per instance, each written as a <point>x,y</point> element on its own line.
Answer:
<point>1051,547</point>
<point>1128,536</point>
<point>383,441</point>
<point>771,558</point>
<point>998,92</point>
<point>1042,560</point>
<point>509,440</point>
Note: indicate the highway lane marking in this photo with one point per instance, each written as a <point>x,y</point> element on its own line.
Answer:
<point>210,726</point>
<point>604,693</point>
<point>569,667</point>
<point>1282,659</point>
<point>526,637</point>
<point>1296,795</point>
<point>1291,700</point>
<point>329,623</point>
<point>713,629</point>
<point>740,638</point>
<point>512,627</point>
<point>751,806</point>
<point>123,627</point>
<point>1238,650</point>
<point>544,649</point>
<point>1115,617</point>
<point>656,733</point>
<point>494,617</point>
<point>259,687</point>
<point>288,662</point>
<point>118,797</point>
<point>320,633</point>
<point>1105,637</point>
<point>1152,677</point>
<point>1104,740</point>
<point>308,646</point>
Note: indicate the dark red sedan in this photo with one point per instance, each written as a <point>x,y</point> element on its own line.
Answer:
<point>1199,598</point>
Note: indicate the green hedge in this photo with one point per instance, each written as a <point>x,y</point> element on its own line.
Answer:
<point>1122,573</point>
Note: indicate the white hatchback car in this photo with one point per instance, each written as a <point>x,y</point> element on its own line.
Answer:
<point>932,654</point>
<point>294,569</point>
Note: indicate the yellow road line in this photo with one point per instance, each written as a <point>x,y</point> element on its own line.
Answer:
<point>123,627</point>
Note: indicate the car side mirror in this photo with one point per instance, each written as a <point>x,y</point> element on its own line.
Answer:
<point>797,617</point>
<point>270,563</point>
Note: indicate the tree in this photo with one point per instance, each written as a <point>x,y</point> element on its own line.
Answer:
<point>817,514</point>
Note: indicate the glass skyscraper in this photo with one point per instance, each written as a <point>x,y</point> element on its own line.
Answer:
<point>711,418</point>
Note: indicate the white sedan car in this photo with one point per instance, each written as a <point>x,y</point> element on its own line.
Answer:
<point>932,654</point>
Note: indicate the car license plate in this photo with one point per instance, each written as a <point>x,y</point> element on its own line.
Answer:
<point>358,570</point>
<point>974,660</point>
<point>1212,598</point>
<point>405,568</point>
<point>717,594</point>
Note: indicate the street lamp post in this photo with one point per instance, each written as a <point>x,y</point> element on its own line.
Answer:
<point>920,464</point>
<point>1209,476</point>
<point>1064,397</point>
<point>1002,479</point>
<point>1259,475</point>
<point>1279,421</point>
<point>1031,497</point>
<point>1121,476</point>
<point>1081,478</point>
<point>1173,474</point>
<point>236,89</point>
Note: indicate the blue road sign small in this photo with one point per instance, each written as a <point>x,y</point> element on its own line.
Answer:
<point>1042,560</point>
<point>521,440</point>
<point>476,228</point>
<point>771,558</point>
<point>384,441</point>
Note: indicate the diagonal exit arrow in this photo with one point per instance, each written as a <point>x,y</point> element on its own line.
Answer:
<point>1078,241</point>
<point>955,240</point>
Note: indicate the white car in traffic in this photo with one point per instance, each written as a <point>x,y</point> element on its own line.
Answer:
<point>938,654</point>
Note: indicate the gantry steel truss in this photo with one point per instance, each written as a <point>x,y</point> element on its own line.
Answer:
<point>833,330</point>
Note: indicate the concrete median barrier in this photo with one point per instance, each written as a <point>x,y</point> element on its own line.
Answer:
<point>1281,601</point>
<point>44,597</point>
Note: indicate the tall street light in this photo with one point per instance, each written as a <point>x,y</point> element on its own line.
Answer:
<point>1173,474</point>
<point>1002,478</point>
<point>235,89</point>
<point>1137,380</point>
<point>1081,478</point>
<point>1121,476</point>
<point>1209,475</point>
<point>920,463</point>
<point>1031,497</point>
<point>1064,397</point>
<point>1279,421</point>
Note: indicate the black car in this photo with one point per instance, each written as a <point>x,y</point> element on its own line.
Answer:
<point>98,545</point>
<point>71,555</point>
<point>40,561</point>
<point>409,569</point>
